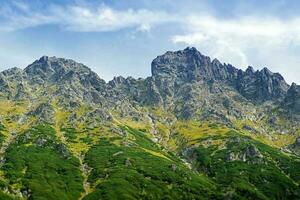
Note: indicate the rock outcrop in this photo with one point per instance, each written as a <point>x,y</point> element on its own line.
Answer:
<point>292,99</point>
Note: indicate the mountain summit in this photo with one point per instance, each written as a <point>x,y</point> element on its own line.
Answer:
<point>190,65</point>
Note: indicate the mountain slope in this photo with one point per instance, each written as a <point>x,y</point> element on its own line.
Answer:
<point>194,129</point>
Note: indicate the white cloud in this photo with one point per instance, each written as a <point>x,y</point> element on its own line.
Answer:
<point>240,31</point>
<point>107,19</point>
<point>80,18</point>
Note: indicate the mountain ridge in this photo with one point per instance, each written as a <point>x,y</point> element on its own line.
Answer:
<point>170,72</point>
<point>194,129</point>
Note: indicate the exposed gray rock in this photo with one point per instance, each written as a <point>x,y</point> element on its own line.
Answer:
<point>231,156</point>
<point>173,167</point>
<point>297,142</point>
<point>261,85</point>
<point>74,80</point>
<point>250,152</point>
<point>294,147</point>
<point>292,99</point>
<point>21,94</point>
<point>250,129</point>
<point>176,68</point>
<point>41,141</point>
<point>127,162</point>
<point>44,112</point>
<point>63,150</point>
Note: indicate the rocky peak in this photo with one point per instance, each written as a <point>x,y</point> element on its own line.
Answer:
<point>71,80</point>
<point>12,72</point>
<point>216,63</point>
<point>119,80</point>
<point>57,70</point>
<point>250,70</point>
<point>189,65</point>
<point>53,68</point>
<point>266,71</point>
<point>261,85</point>
<point>184,64</point>
<point>45,65</point>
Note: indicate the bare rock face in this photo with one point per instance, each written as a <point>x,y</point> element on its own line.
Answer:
<point>44,112</point>
<point>127,162</point>
<point>11,84</point>
<point>297,142</point>
<point>189,65</point>
<point>231,156</point>
<point>292,99</point>
<point>70,77</point>
<point>173,69</point>
<point>261,85</point>
<point>183,81</point>
<point>250,152</point>
<point>295,147</point>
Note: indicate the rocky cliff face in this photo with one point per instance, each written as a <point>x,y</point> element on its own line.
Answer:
<point>173,69</point>
<point>261,85</point>
<point>190,65</point>
<point>193,86</point>
<point>292,99</point>
<point>57,77</point>
<point>57,70</point>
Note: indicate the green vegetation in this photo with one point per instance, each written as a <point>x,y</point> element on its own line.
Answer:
<point>4,196</point>
<point>268,175</point>
<point>42,166</point>
<point>132,166</point>
<point>70,134</point>
<point>131,172</point>
<point>2,136</point>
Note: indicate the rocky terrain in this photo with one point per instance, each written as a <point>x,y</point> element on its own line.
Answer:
<point>194,129</point>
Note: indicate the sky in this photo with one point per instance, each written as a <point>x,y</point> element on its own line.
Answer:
<point>122,37</point>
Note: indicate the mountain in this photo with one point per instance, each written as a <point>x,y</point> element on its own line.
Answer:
<point>194,129</point>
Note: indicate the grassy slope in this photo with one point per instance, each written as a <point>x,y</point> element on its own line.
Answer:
<point>275,176</point>
<point>131,172</point>
<point>134,167</point>
<point>45,169</point>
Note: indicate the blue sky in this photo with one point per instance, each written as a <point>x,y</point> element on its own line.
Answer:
<point>122,37</point>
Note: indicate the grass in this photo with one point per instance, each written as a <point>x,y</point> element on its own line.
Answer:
<point>133,173</point>
<point>2,136</point>
<point>44,170</point>
<point>274,177</point>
